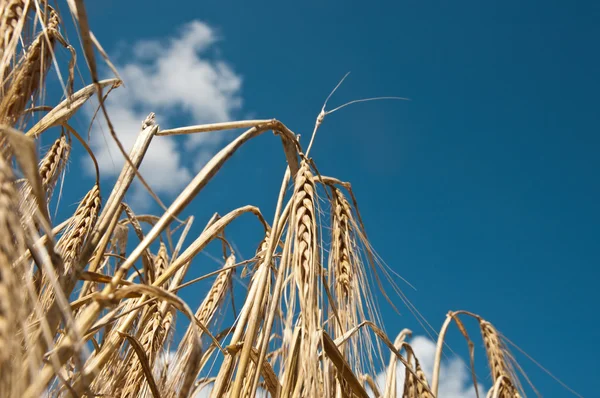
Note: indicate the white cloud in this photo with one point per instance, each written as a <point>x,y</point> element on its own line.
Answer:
<point>455,376</point>
<point>204,393</point>
<point>169,77</point>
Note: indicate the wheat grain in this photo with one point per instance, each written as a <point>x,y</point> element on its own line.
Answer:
<point>53,163</point>
<point>11,13</point>
<point>340,246</point>
<point>70,245</point>
<point>415,381</point>
<point>205,313</point>
<point>501,371</point>
<point>50,168</point>
<point>12,19</point>
<point>307,270</point>
<point>29,74</point>
<point>152,336</point>
<point>281,339</point>
<point>84,220</point>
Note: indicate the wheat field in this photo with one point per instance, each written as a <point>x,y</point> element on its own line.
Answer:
<point>89,304</point>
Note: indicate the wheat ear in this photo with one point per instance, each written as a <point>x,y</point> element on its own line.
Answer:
<point>53,163</point>
<point>29,74</point>
<point>71,243</point>
<point>501,370</point>
<point>204,314</point>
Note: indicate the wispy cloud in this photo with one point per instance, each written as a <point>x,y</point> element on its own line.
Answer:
<point>455,376</point>
<point>173,78</point>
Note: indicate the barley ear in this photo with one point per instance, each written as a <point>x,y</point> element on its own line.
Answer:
<point>53,163</point>
<point>499,366</point>
<point>29,75</point>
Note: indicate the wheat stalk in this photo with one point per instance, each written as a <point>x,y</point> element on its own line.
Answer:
<point>12,300</point>
<point>206,310</point>
<point>302,331</point>
<point>152,336</point>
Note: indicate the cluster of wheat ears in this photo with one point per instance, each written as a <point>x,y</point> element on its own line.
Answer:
<point>88,305</point>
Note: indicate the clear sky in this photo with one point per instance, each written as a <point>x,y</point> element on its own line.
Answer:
<point>482,191</point>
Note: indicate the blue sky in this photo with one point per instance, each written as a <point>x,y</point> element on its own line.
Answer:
<point>481,191</point>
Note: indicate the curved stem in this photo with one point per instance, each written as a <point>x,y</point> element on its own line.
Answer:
<point>440,344</point>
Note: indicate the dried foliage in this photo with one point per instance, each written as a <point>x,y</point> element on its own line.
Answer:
<point>88,305</point>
